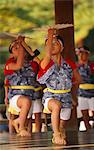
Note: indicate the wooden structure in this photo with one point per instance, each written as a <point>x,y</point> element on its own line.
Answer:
<point>42,141</point>
<point>64,14</point>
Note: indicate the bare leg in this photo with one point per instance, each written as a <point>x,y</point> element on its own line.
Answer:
<point>63,124</point>
<point>11,128</point>
<point>29,125</point>
<point>86,118</point>
<point>55,107</point>
<point>24,104</point>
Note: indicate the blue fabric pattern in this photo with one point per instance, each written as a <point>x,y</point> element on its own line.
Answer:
<point>24,76</point>
<point>58,78</point>
<point>87,77</point>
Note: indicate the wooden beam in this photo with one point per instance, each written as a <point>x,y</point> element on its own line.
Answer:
<point>63,15</point>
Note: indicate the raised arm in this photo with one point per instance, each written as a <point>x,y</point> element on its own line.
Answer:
<point>18,53</point>
<point>29,50</point>
<point>48,48</point>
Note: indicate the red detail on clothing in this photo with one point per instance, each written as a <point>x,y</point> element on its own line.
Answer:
<point>72,64</point>
<point>6,71</point>
<point>11,60</point>
<point>43,71</point>
<point>6,82</point>
<point>92,67</point>
<point>35,66</point>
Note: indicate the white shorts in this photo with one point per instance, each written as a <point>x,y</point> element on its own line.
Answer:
<point>86,103</point>
<point>64,114</point>
<point>36,106</point>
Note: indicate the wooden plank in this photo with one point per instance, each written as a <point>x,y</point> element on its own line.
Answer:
<point>42,141</point>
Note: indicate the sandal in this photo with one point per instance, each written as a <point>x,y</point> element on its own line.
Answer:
<point>23,132</point>
<point>58,139</point>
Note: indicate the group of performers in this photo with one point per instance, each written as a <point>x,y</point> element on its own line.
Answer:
<point>33,86</point>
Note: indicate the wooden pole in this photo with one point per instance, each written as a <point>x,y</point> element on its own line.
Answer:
<point>64,14</point>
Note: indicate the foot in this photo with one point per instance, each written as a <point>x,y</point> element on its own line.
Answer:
<point>23,132</point>
<point>58,139</point>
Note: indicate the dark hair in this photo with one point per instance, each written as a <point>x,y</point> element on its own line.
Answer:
<point>11,46</point>
<point>86,48</point>
<point>28,56</point>
<point>60,38</point>
<point>10,49</point>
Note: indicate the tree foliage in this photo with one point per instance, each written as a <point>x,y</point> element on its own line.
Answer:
<point>22,16</point>
<point>83,18</point>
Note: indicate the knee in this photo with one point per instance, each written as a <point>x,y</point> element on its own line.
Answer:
<point>55,106</point>
<point>26,102</point>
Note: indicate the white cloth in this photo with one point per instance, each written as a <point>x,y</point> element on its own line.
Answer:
<point>64,114</point>
<point>36,106</point>
<point>86,103</point>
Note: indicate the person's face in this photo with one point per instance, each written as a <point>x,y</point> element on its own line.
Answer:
<point>57,47</point>
<point>15,49</point>
<point>84,56</point>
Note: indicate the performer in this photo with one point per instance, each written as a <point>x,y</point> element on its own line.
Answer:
<point>86,88</point>
<point>9,116</point>
<point>23,87</point>
<point>57,74</point>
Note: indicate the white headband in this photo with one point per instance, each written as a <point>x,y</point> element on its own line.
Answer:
<point>60,43</point>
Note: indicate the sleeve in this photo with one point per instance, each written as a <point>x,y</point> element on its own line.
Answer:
<point>74,67</point>
<point>92,67</point>
<point>72,64</point>
<point>6,81</point>
<point>34,66</point>
<point>43,71</point>
<point>44,74</point>
<point>6,70</point>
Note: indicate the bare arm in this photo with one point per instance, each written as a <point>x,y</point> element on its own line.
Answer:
<point>48,49</point>
<point>77,77</point>
<point>75,86</point>
<point>6,93</point>
<point>29,50</point>
<point>37,60</point>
